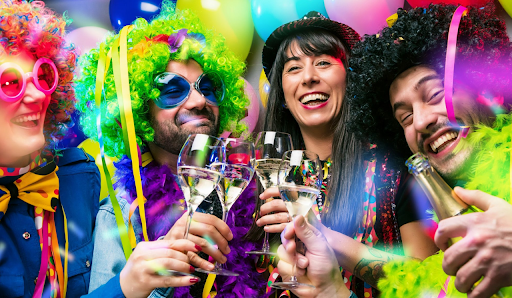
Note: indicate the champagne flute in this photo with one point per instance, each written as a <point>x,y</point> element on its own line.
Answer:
<point>199,171</point>
<point>238,172</point>
<point>300,179</point>
<point>269,146</point>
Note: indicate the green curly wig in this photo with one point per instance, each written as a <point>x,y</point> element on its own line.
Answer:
<point>490,174</point>
<point>148,59</point>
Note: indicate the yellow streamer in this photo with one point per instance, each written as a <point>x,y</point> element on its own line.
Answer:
<point>208,285</point>
<point>120,67</point>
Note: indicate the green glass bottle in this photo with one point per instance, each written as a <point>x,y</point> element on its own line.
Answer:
<point>441,196</point>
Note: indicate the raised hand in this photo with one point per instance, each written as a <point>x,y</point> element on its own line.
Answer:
<point>320,261</point>
<point>486,249</point>
<point>206,231</point>
<point>146,269</point>
<point>273,223</point>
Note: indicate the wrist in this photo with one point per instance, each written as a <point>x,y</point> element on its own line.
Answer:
<point>336,289</point>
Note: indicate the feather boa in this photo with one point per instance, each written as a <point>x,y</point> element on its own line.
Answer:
<point>490,174</point>
<point>164,207</point>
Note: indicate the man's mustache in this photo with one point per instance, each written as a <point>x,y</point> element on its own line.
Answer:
<point>183,117</point>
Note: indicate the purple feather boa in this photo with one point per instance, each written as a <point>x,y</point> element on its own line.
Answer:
<point>164,207</point>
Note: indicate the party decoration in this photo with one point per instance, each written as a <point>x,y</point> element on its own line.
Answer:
<point>426,3</point>
<point>253,110</point>
<point>263,88</point>
<point>124,12</point>
<point>87,38</point>
<point>364,16</point>
<point>231,18</point>
<point>268,15</point>
<point>507,5</point>
<point>93,148</point>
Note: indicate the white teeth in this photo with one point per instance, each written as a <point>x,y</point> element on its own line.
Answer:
<point>443,140</point>
<point>312,97</point>
<point>24,118</point>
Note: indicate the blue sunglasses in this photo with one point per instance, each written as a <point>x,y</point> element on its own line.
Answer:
<point>175,89</point>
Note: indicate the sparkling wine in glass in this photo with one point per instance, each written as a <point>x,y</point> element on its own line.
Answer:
<point>238,171</point>
<point>270,147</point>
<point>199,171</point>
<point>300,179</point>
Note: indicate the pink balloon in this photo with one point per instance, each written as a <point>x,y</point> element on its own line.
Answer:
<point>364,16</point>
<point>253,110</point>
<point>426,3</point>
<point>87,38</point>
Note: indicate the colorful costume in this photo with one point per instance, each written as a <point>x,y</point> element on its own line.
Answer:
<point>481,62</point>
<point>491,174</point>
<point>47,208</point>
<point>172,36</point>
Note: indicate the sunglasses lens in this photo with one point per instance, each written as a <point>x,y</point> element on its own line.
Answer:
<point>11,81</point>
<point>212,88</point>
<point>46,76</point>
<point>173,90</point>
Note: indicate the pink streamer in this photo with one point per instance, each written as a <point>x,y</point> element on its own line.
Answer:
<point>44,259</point>
<point>450,67</point>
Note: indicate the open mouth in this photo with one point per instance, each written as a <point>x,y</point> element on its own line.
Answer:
<point>27,120</point>
<point>314,99</point>
<point>444,141</point>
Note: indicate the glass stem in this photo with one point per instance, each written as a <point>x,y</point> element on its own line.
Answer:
<point>293,278</point>
<point>189,221</point>
<point>266,245</point>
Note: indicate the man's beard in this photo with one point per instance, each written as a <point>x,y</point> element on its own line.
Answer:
<point>171,138</point>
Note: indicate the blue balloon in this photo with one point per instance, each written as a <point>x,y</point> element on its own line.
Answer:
<point>268,15</point>
<point>124,12</point>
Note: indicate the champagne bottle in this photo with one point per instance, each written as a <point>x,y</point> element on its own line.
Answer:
<point>441,196</point>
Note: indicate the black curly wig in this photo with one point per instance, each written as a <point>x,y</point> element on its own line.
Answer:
<point>419,36</point>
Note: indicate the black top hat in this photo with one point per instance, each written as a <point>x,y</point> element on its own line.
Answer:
<point>312,19</point>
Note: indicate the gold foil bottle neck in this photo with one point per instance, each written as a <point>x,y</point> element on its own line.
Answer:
<point>441,196</point>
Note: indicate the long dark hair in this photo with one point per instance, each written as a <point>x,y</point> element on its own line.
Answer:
<point>348,154</point>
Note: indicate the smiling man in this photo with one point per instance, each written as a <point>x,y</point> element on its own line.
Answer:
<point>397,96</point>
<point>183,80</point>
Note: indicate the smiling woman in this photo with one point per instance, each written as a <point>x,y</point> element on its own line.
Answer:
<point>306,62</point>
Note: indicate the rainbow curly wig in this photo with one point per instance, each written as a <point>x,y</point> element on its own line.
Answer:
<point>419,36</point>
<point>35,29</point>
<point>147,59</point>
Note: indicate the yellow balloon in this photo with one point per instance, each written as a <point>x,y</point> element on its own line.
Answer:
<point>507,5</point>
<point>231,18</point>
<point>264,88</point>
<point>93,148</point>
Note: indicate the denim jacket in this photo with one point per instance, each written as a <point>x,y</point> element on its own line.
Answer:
<point>109,259</point>
<point>20,252</point>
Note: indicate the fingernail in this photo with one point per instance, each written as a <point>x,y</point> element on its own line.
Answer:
<point>301,222</point>
<point>192,269</point>
<point>211,267</point>
<point>224,259</point>
<point>301,263</point>
<point>199,248</point>
<point>194,280</point>
<point>228,250</point>
<point>230,235</point>
<point>258,222</point>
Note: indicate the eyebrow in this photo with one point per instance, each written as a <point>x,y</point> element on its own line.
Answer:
<point>396,106</point>
<point>426,79</point>
<point>294,58</point>
<point>422,81</point>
